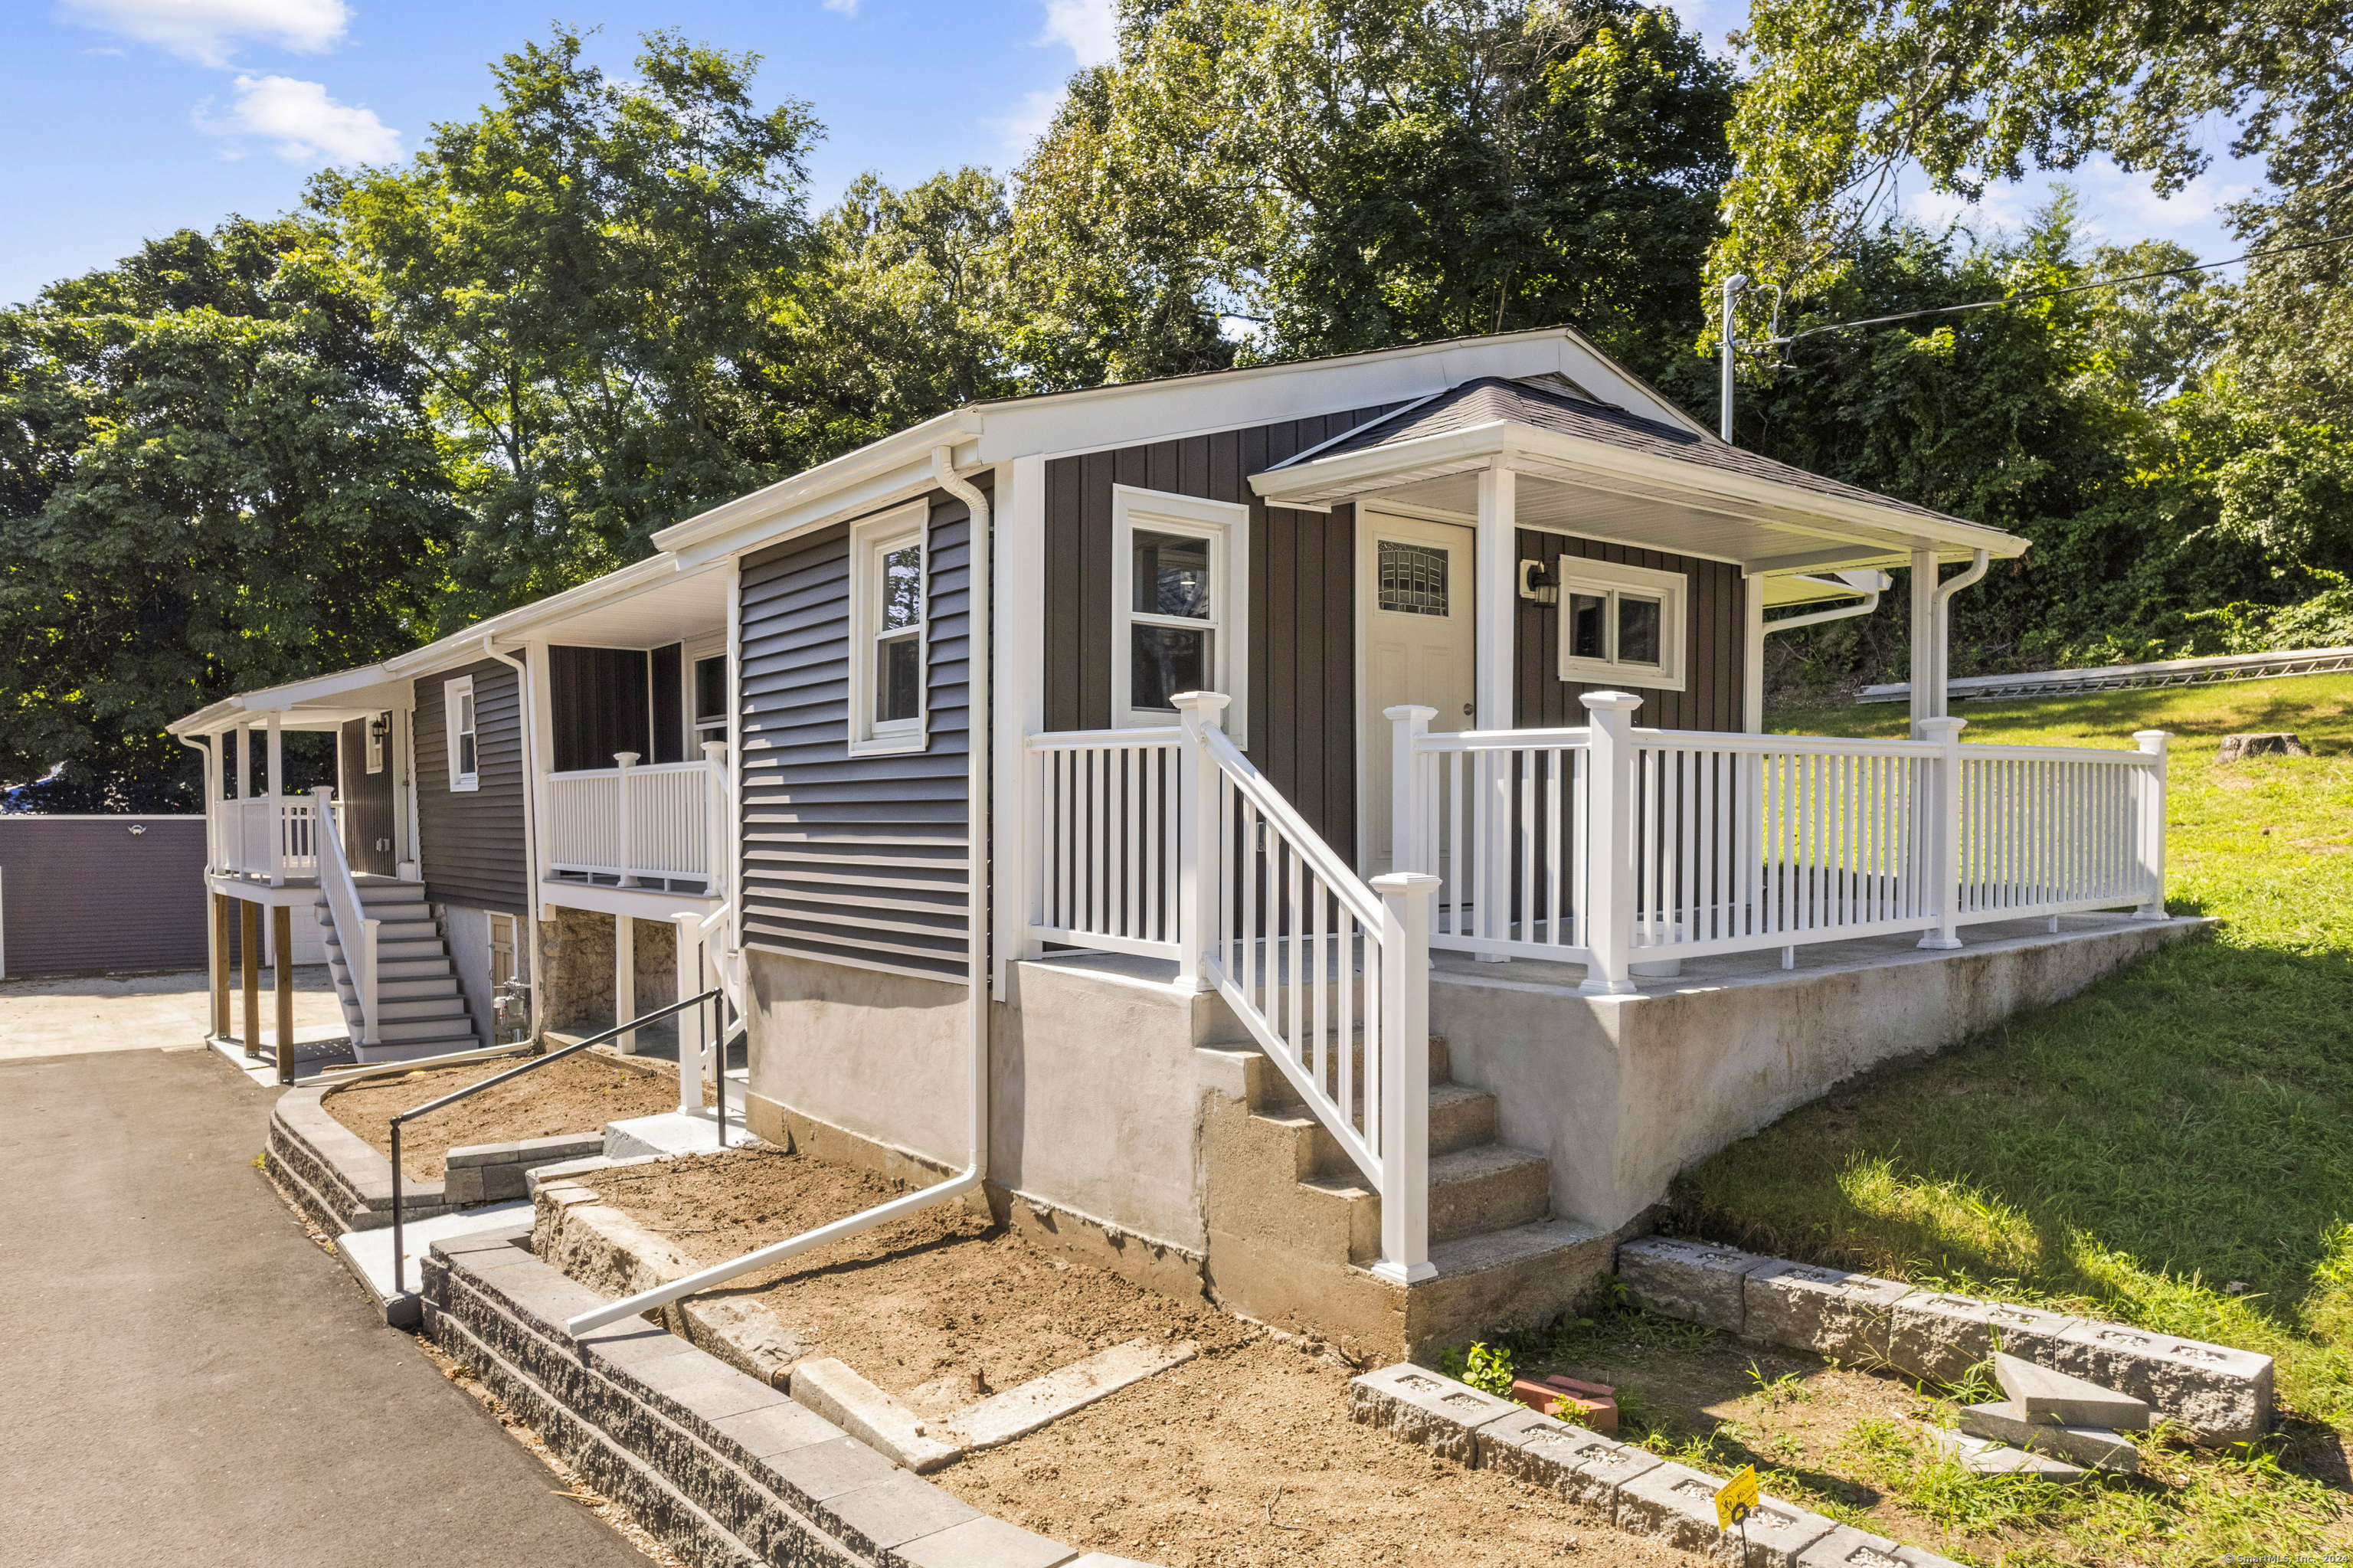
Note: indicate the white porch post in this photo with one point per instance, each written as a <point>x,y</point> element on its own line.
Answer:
<point>215,841</point>
<point>1942,828</point>
<point>626,851</point>
<point>1018,709</point>
<point>240,854</point>
<point>718,881</point>
<point>1752,656</point>
<point>540,717</point>
<point>1404,1076</point>
<point>276,815</point>
<point>625,980</point>
<point>411,861</point>
<point>692,1035</point>
<point>1409,813</point>
<point>1495,548</point>
<point>2150,788</point>
<point>1200,852</point>
<point>1928,692</point>
<point>1610,879</point>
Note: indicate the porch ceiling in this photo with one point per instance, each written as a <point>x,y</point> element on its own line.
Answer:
<point>679,609</point>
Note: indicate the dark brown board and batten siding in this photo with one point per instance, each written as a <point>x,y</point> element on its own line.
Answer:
<point>1712,643</point>
<point>472,840</point>
<point>1302,619</point>
<point>853,860</point>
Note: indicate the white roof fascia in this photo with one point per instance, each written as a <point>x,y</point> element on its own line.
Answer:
<point>872,490</point>
<point>465,647</point>
<point>1582,460</point>
<point>235,708</point>
<point>816,484</point>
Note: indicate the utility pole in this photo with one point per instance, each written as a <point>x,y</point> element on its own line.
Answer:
<point>1731,286</point>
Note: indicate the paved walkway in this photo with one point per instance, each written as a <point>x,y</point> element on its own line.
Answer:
<point>185,1378</point>
<point>54,1017</point>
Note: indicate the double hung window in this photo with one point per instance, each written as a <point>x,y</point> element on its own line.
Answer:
<point>889,586</point>
<point>457,724</point>
<point>1179,615</point>
<point>1621,624</point>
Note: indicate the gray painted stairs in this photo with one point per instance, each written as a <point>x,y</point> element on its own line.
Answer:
<point>423,1012</point>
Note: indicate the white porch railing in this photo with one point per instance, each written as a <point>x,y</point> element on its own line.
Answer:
<point>637,824</point>
<point>266,836</point>
<point>1105,813</point>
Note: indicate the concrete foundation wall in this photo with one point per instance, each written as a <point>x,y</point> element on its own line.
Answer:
<point>1622,1092</point>
<point>1094,1097</point>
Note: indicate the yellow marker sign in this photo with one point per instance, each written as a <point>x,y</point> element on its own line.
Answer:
<point>1736,1498</point>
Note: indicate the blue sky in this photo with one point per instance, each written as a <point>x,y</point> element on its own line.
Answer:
<point>130,118</point>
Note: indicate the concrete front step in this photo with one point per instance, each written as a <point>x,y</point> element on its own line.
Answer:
<point>1269,1090</point>
<point>1460,1116</point>
<point>1472,1191</point>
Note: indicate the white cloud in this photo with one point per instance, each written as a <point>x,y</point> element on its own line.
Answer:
<point>1032,113</point>
<point>843,7</point>
<point>208,31</point>
<point>300,122</point>
<point>1089,28</point>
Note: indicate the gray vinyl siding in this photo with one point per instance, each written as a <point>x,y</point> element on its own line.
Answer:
<point>1303,626</point>
<point>853,860</point>
<point>367,801</point>
<point>1713,648</point>
<point>87,894</point>
<point>473,843</point>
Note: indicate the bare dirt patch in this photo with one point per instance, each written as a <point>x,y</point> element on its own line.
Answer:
<point>579,1094</point>
<point>1242,1456</point>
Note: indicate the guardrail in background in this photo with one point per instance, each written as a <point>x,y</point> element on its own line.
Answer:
<point>2129,677</point>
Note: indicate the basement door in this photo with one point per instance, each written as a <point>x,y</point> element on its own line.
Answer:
<point>1413,596</point>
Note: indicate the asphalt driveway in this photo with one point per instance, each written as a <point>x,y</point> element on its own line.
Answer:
<point>185,1378</point>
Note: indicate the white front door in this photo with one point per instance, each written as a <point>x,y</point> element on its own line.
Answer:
<point>1413,594</point>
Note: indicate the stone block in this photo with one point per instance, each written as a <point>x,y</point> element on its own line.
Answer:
<point>1778,1533</point>
<point>1826,1311</point>
<point>2048,1395</point>
<point>1603,1466</point>
<point>2221,1395</point>
<point>1674,1503</point>
<point>1532,1447</point>
<point>1692,1280</point>
<point>1422,1407</point>
<point>774,1429</point>
<point>833,1391</point>
<point>2098,1446</point>
<point>979,1544</point>
<point>1021,1410</point>
<point>809,1478</point>
<point>1940,1337</point>
<point>462,1185</point>
<point>1847,1547</point>
<point>872,1519</point>
<point>1984,1456</point>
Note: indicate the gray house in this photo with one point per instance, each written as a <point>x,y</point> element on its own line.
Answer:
<point>1305,833</point>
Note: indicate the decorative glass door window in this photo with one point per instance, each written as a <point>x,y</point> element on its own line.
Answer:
<point>1412,579</point>
<point>1620,624</point>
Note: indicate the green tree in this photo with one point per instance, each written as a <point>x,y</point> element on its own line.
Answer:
<point>1348,174</point>
<point>211,479</point>
<point>596,279</point>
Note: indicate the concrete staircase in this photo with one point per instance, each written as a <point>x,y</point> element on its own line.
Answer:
<point>1294,1228</point>
<point>422,1011</point>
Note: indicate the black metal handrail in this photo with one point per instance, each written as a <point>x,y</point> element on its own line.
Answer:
<point>716,996</point>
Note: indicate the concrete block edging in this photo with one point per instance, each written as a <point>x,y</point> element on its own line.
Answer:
<point>724,1468</point>
<point>2223,1395</point>
<point>344,1183</point>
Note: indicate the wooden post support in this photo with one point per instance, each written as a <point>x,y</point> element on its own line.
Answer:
<point>221,942</point>
<point>248,930</point>
<point>282,955</point>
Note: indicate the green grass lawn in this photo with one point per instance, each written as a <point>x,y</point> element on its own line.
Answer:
<point>2172,1148</point>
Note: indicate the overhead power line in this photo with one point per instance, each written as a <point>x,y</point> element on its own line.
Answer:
<point>2050,294</point>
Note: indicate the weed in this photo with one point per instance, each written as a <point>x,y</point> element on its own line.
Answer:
<point>1483,1366</point>
<point>1786,1389</point>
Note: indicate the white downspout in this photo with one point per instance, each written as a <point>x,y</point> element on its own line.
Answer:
<point>980,756</point>
<point>1940,651</point>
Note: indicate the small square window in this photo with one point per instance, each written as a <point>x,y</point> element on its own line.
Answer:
<point>1620,624</point>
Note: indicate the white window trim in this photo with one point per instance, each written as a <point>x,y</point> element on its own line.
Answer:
<point>1226,527</point>
<point>372,744</point>
<point>867,542</point>
<point>451,691</point>
<point>1672,589</point>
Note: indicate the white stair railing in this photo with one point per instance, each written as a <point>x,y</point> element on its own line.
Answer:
<point>355,931</point>
<point>1330,976</point>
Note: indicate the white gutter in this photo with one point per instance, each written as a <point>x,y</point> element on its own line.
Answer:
<point>1940,651</point>
<point>977,907</point>
<point>530,789</point>
<point>1815,618</point>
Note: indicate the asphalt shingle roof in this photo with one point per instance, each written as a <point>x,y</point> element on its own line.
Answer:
<point>1489,398</point>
